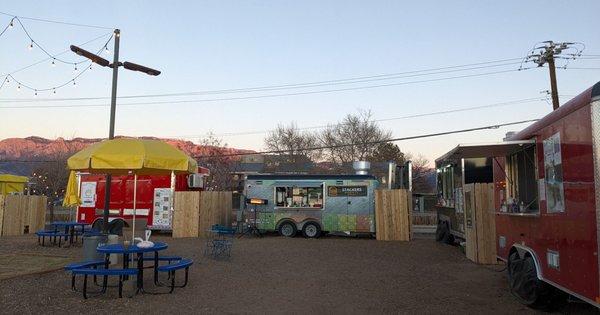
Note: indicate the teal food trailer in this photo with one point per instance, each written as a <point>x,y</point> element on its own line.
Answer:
<point>311,204</point>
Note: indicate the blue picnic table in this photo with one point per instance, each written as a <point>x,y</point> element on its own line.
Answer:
<point>140,251</point>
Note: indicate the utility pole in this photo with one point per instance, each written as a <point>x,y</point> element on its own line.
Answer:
<point>113,103</point>
<point>111,128</point>
<point>548,53</point>
<point>553,88</point>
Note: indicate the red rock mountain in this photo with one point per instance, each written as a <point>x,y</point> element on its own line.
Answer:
<point>36,148</point>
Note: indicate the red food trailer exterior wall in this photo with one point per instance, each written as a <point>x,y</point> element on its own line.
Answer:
<point>564,244</point>
<point>149,189</point>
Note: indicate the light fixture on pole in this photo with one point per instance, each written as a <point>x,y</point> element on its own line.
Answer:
<point>113,100</point>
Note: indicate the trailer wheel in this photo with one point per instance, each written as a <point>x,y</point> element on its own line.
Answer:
<point>528,289</point>
<point>311,230</point>
<point>287,229</point>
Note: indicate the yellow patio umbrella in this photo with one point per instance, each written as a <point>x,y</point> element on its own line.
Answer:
<point>72,192</point>
<point>139,156</point>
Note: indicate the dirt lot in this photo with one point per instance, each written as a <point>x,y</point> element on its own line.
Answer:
<point>275,274</point>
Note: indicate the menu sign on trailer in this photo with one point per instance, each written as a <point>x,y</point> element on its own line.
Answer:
<point>347,191</point>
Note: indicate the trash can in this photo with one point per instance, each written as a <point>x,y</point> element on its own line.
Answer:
<point>90,243</point>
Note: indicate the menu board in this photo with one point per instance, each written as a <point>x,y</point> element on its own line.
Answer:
<point>88,194</point>
<point>346,191</point>
<point>163,200</point>
<point>555,198</point>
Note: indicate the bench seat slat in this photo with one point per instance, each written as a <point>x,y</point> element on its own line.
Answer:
<point>105,272</point>
<point>184,263</point>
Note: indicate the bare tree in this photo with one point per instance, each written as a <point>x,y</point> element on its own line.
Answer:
<point>359,129</point>
<point>220,166</point>
<point>422,173</point>
<point>292,141</point>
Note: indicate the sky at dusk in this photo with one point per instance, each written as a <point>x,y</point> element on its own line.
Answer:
<point>212,46</point>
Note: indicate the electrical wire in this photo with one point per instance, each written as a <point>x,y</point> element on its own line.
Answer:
<point>60,53</point>
<point>354,80</point>
<point>262,96</point>
<point>58,22</point>
<point>372,142</point>
<point>456,110</point>
<point>54,88</point>
<point>331,146</point>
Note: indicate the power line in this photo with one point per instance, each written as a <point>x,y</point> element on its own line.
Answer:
<point>371,142</point>
<point>58,22</point>
<point>353,80</point>
<point>330,146</point>
<point>456,110</point>
<point>264,96</point>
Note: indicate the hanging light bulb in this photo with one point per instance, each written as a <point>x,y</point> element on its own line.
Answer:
<point>90,67</point>
<point>53,63</point>
<point>74,83</point>
<point>106,50</point>
<point>7,80</point>
<point>30,47</point>
<point>54,90</point>
<point>75,69</point>
<point>19,87</point>
<point>11,23</point>
<point>35,93</point>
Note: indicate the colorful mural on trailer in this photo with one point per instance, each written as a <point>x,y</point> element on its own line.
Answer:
<point>340,203</point>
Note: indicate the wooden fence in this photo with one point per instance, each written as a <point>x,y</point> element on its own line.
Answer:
<point>424,218</point>
<point>22,214</point>
<point>392,215</point>
<point>480,226</point>
<point>195,212</point>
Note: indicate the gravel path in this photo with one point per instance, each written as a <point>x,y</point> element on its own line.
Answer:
<point>275,275</point>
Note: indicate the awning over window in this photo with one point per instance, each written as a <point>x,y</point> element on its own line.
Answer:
<point>299,183</point>
<point>466,151</point>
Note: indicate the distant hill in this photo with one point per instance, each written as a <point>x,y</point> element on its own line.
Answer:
<point>37,148</point>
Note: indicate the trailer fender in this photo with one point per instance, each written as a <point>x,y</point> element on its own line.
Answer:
<point>110,220</point>
<point>525,251</point>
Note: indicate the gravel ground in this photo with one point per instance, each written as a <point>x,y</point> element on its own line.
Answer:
<point>276,275</point>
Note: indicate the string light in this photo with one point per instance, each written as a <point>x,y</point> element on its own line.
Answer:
<point>30,47</point>
<point>78,73</point>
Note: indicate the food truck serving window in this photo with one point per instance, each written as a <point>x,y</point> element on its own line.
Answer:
<point>521,182</point>
<point>445,177</point>
<point>299,197</point>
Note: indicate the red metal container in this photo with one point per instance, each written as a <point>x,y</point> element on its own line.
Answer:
<point>560,239</point>
<point>154,198</point>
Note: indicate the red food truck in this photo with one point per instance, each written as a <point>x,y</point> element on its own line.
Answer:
<point>547,202</point>
<point>154,198</point>
<point>547,196</point>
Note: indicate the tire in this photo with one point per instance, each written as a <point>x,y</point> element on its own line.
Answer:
<point>311,230</point>
<point>287,229</point>
<point>528,288</point>
<point>97,225</point>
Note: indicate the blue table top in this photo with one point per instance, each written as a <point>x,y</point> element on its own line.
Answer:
<point>120,249</point>
<point>68,223</point>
